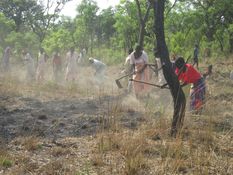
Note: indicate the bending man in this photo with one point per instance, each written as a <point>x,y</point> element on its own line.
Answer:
<point>188,74</point>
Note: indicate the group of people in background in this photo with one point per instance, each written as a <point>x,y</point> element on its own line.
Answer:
<point>36,69</point>
<point>136,67</point>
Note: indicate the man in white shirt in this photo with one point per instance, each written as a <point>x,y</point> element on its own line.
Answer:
<point>99,69</point>
<point>30,65</point>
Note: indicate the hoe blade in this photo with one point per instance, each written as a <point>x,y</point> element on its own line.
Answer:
<point>118,84</point>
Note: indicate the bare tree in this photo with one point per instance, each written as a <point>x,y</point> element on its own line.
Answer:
<point>42,18</point>
<point>142,20</point>
<point>172,80</point>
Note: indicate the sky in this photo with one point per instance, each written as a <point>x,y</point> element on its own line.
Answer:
<point>70,7</point>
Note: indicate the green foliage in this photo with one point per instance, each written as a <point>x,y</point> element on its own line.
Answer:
<point>105,26</point>
<point>108,56</point>
<point>87,15</point>
<point>127,26</point>
<point>58,40</point>
<point>109,33</point>
<point>5,162</point>
<point>20,41</point>
<point>6,26</point>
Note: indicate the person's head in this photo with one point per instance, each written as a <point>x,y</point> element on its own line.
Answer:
<point>72,50</point>
<point>41,50</point>
<point>91,60</point>
<point>210,67</point>
<point>130,51</point>
<point>180,62</point>
<point>56,53</point>
<point>173,57</point>
<point>138,51</point>
<point>196,45</point>
<point>138,48</point>
<point>24,51</point>
<point>156,53</point>
<point>8,49</point>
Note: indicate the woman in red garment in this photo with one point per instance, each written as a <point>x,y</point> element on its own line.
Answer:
<point>188,74</point>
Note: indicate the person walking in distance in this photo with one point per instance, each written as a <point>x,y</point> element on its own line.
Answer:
<point>40,71</point>
<point>30,65</point>
<point>6,60</point>
<point>57,66</point>
<point>71,66</point>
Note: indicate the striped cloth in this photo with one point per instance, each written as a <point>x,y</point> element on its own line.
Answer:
<point>197,95</point>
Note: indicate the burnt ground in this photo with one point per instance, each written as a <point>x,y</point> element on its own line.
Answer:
<point>53,129</point>
<point>58,118</point>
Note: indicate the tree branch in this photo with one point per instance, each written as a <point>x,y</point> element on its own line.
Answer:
<point>139,11</point>
<point>173,5</point>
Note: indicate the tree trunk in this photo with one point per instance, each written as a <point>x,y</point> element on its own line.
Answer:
<point>142,21</point>
<point>174,85</point>
<point>231,42</point>
<point>220,41</point>
<point>141,34</point>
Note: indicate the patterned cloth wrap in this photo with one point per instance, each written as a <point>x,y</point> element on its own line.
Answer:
<point>197,94</point>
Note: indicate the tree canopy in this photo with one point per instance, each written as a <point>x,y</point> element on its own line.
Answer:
<point>33,24</point>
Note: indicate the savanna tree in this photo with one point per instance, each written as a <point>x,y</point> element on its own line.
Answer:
<point>177,93</point>
<point>87,18</point>
<point>37,15</point>
<point>126,24</point>
<point>142,20</point>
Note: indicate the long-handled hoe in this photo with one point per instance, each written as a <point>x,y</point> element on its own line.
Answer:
<point>118,83</point>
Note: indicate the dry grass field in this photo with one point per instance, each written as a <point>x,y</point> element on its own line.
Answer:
<point>83,128</point>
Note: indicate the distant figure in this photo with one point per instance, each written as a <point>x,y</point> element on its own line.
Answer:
<point>84,53</point>
<point>208,72</point>
<point>6,60</point>
<point>195,55</point>
<point>128,70</point>
<point>40,71</point>
<point>207,54</point>
<point>173,60</point>
<point>57,66</point>
<point>30,66</point>
<point>71,66</point>
<point>139,61</point>
<point>82,56</point>
<point>231,75</point>
<point>99,69</point>
<point>188,74</point>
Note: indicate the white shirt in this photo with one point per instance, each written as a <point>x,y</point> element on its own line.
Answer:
<point>98,65</point>
<point>142,59</point>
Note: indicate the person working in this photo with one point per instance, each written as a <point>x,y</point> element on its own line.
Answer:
<point>41,67</point>
<point>188,74</point>
<point>99,69</point>
<point>71,65</point>
<point>139,61</point>
<point>57,66</point>
<point>128,70</point>
<point>6,60</point>
<point>30,65</point>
